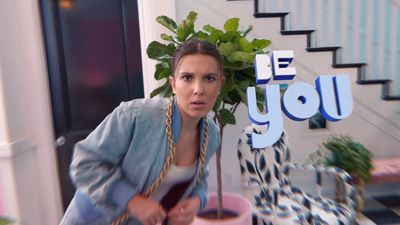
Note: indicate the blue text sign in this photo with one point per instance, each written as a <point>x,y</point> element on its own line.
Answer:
<point>331,96</point>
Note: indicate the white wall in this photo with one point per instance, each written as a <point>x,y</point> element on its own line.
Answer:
<point>28,174</point>
<point>150,31</point>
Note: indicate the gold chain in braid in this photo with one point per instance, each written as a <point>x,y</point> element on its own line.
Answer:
<point>202,155</point>
<point>168,162</point>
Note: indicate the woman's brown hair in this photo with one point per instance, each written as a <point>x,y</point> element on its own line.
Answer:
<point>195,46</point>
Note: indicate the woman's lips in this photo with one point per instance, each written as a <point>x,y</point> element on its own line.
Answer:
<point>198,104</point>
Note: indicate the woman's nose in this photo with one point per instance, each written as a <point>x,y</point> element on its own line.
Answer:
<point>198,88</point>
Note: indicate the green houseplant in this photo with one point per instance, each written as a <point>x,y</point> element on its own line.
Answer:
<point>5,221</point>
<point>238,53</point>
<point>348,154</point>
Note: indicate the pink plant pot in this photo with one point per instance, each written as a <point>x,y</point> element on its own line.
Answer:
<point>232,201</point>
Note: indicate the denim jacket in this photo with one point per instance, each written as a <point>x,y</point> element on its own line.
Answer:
<point>122,157</point>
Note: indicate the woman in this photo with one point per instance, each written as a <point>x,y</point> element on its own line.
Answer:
<point>147,149</point>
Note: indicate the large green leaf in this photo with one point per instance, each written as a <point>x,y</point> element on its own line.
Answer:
<point>226,49</point>
<point>186,28</point>
<point>191,17</point>
<point>261,43</point>
<point>243,66</point>
<point>161,73</point>
<point>167,22</point>
<point>217,104</point>
<point>241,57</point>
<point>231,24</point>
<point>163,89</point>
<point>213,38</point>
<point>159,51</point>
<point>167,37</point>
<point>245,45</point>
<point>226,117</point>
<point>244,84</point>
<point>232,36</point>
<point>211,29</point>
<point>241,93</point>
<point>184,31</point>
<point>232,97</point>
<point>214,34</point>
<point>201,35</point>
<point>229,82</point>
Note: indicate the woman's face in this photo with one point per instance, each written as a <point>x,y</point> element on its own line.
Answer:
<point>196,84</point>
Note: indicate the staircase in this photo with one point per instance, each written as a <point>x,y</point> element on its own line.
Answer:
<point>335,50</point>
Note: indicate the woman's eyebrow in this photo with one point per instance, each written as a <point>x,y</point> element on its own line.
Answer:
<point>211,73</point>
<point>215,75</point>
<point>185,73</point>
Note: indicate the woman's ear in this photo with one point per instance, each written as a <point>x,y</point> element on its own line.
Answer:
<point>221,84</point>
<point>222,81</point>
<point>171,80</point>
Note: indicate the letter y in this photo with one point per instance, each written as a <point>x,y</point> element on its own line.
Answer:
<point>272,119</point>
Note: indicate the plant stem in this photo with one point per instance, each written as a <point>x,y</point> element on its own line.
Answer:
<point>219,182</point>
<point>220,204</point>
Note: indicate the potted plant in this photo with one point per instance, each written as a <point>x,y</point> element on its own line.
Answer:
<point>238,53</point>
<point>6,221</point>
<point>348,154</point>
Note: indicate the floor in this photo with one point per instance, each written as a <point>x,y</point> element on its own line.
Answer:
<point>378,210</point>
<point>381,210</point>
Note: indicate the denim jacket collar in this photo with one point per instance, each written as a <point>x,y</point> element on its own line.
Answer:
<point>177,124</point>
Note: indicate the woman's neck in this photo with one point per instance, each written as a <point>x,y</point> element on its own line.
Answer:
<point>189,124</point>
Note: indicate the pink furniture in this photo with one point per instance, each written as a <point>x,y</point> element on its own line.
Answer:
<point>386,170</point>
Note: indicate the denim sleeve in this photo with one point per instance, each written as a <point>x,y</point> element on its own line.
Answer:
<point>95,168</point>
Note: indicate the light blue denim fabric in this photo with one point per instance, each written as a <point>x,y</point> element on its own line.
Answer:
<point>122,157</point>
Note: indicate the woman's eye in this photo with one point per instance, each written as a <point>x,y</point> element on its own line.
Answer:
<point>210,78</point>
<point>186,77</point>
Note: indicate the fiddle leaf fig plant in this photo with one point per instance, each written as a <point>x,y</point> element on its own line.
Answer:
<point>238,53</point>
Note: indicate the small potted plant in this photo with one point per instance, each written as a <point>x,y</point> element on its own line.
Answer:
<point>6,221</point>
<point>238,53</point>
<point>348,154</point>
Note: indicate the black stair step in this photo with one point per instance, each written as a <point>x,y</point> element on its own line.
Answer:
<point>270,15</point>
<point>391,97</point>
<point>295,32</point>
<point>348,65</point>
<point>323,49</point>
<point>376,81</point>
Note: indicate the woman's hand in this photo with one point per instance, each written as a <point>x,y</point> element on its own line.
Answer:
<point>184,212</point>
<point>146,210</point>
